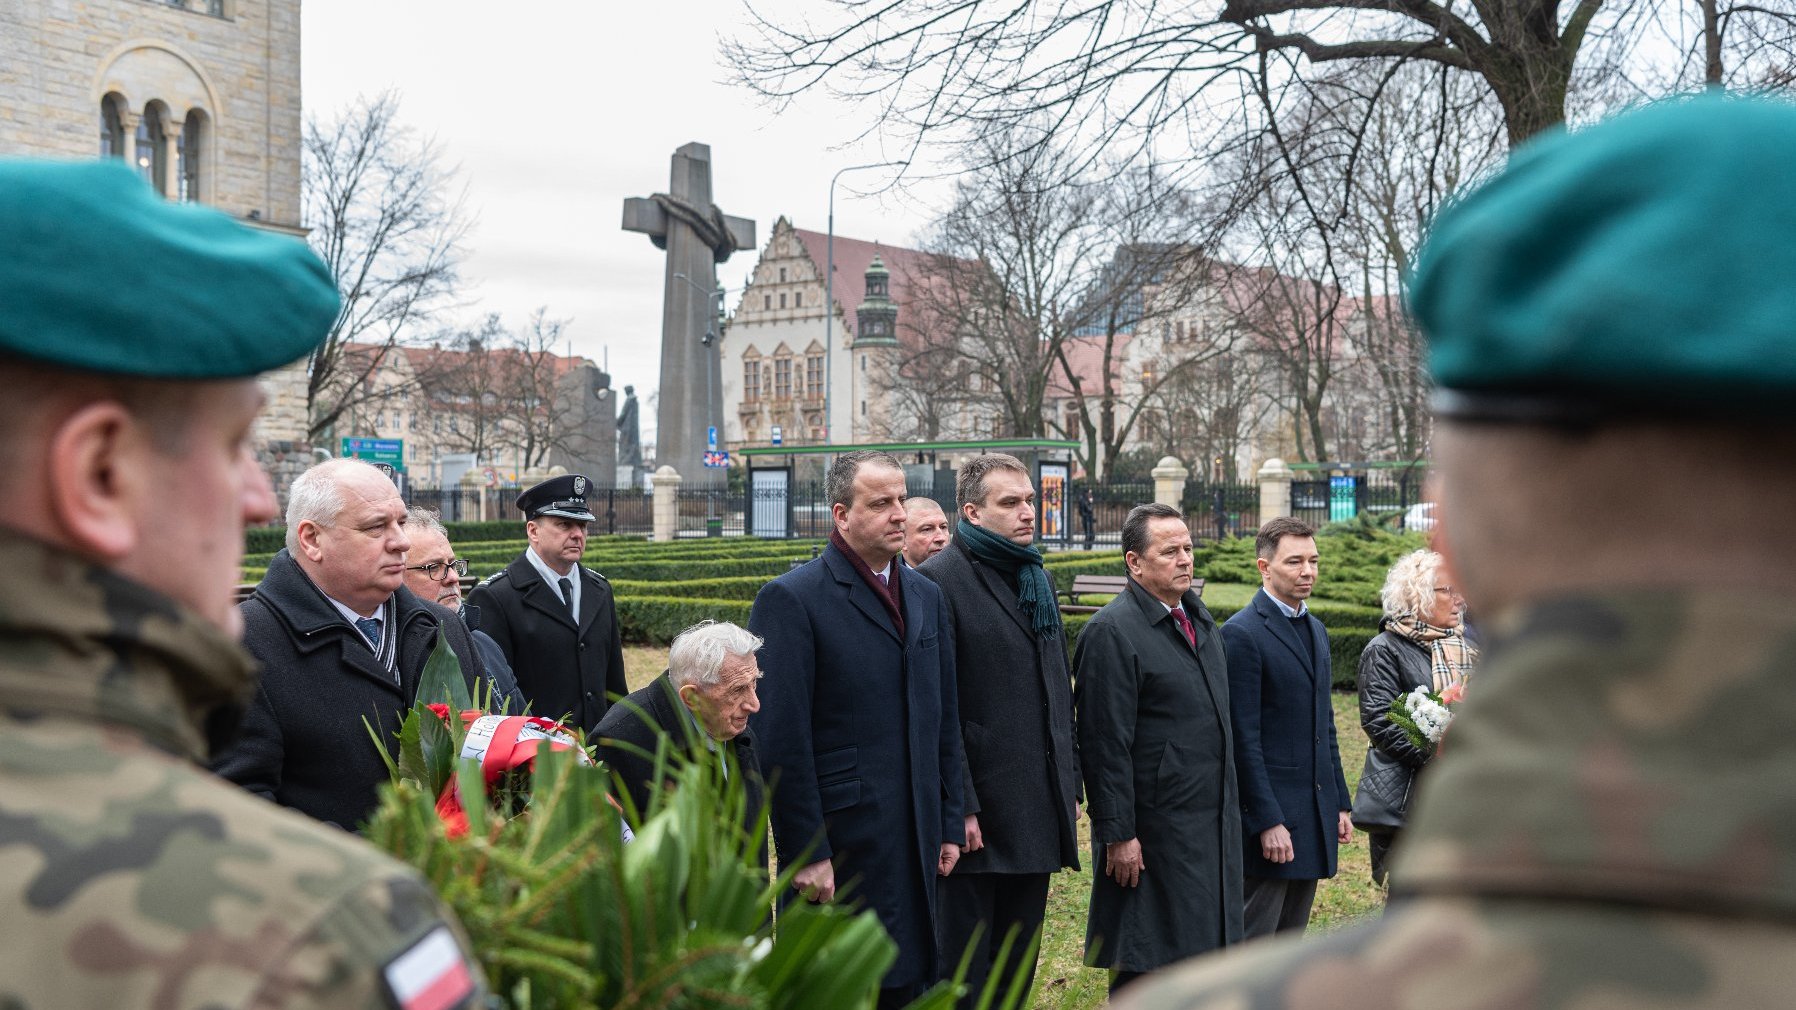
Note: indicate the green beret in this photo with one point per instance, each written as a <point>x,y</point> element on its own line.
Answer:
<point>100,274</point>
<point>1641,265</point>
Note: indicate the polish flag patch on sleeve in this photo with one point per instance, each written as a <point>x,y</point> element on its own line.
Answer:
<point>432,974</point>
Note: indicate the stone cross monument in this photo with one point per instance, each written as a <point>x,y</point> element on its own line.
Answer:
<point>697,237</point>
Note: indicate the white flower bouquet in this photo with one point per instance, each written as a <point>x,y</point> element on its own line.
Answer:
<point>1425,715</point>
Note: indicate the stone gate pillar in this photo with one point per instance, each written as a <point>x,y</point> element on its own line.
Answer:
<point>667,503</point>
<point>1169,482</point>
<point>1275,489</point>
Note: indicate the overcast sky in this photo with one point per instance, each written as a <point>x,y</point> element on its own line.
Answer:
<point>557,110</point>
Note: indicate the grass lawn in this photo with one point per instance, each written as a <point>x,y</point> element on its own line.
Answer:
<point>1062,981</point>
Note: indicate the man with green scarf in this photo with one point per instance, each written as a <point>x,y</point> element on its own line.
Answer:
<point>1016,720</point>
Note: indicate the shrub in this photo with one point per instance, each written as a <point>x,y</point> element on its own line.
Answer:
<point>655,620</point>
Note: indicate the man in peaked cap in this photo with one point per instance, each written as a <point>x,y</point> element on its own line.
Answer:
<point>134,878</point>
<point>1613,820</point>
<point>556,621</point>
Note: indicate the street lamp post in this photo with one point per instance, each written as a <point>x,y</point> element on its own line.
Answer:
<point>829,293</point>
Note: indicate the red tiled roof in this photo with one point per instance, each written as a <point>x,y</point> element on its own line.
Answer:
<point>853,257</point>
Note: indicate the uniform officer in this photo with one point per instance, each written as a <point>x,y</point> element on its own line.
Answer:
<point>556,621</point>
<point>130,334</point>
<point>1610,821</point>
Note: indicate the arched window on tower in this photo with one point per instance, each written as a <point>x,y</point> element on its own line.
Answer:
<point>112,128</point>
<point>188,154</point>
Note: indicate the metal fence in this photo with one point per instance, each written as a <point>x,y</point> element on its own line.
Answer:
<point>1214,509</point>
<point>617,510</point>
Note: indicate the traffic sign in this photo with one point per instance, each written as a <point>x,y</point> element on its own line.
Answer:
<point>715,459</point>
<point>376,450</point>
<point>711,437</point>
<point>779,437</point>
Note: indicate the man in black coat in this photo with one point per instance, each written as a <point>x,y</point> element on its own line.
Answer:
<point>1155,745</point>
<point>556,621</point>
<point>701,705</point>
<point>856,732</point>
<point>1295,808</point>
<point>340,640</point>
<point>1021,783</point>
<point>433,573</point>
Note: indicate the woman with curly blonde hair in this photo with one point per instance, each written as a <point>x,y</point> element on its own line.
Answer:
<point>1422,644</point>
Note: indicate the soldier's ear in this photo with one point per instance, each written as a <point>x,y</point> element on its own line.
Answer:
<point>101,477</point>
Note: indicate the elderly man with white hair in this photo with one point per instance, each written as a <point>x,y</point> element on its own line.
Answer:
<point>701,705</point>
<point>342,644</point>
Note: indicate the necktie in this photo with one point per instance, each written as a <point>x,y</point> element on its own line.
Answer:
<point>370,629</point>
<point>567,592</point>
<point>1185,628</point>
<point>881,576</point>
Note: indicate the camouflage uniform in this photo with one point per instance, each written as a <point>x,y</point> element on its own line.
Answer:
<point>1611,824</point>
<point>129,877</point>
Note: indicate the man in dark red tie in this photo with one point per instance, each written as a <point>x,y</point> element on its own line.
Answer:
<point>1158,758</point>
<point>858,732</point>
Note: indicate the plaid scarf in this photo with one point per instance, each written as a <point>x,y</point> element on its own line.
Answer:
<point>1451,656</point>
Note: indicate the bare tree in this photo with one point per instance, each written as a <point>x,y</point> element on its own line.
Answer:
<point>1040,279</point>
<point>466,389</point>
<point>530,385</point>
<point>1210,411</point>
<point>375,199</point>
<point>1007,265</point>
<point>1119,72</point>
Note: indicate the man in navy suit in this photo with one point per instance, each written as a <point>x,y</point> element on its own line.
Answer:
<point>1294,800</point>
<point>858,733</point>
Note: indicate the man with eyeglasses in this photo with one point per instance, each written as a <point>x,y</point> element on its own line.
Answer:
<point>434,573</point>
<point>342,644</point>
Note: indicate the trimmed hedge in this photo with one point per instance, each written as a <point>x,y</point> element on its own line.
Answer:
<point>269,539</point>
<point>1347,637</point>
<point>742,587</point>
<point>655,620</point>
<point>664,588</point>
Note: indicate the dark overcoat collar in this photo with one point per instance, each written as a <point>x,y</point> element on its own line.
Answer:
<point>315,625</point>
<point>540,595</point>
<point>863,598</point>
<point>1285,632</point>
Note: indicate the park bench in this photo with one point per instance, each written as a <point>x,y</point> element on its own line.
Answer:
<point>1095,585</point>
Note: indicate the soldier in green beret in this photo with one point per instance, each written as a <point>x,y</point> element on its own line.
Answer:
<point>1613,820</point>
<point>131,332</point>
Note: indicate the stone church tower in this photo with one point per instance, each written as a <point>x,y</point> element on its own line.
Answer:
<point>875,350</point>
<point>200,96</point>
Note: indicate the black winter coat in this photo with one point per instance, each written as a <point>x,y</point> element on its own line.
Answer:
<point>1391,666</point>
<point>1285,745</point>
<point>303,742</point>
<point>567,672</point>
<point>856,739</point>
<point>632,730</point>
<point>1156,747</point>
<point>1016,719</point>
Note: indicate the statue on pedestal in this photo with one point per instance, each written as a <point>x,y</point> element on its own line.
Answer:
<point>629,435</point>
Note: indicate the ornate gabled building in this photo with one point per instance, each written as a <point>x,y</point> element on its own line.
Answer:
<point>779,372</point>
<point>202,97</point>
